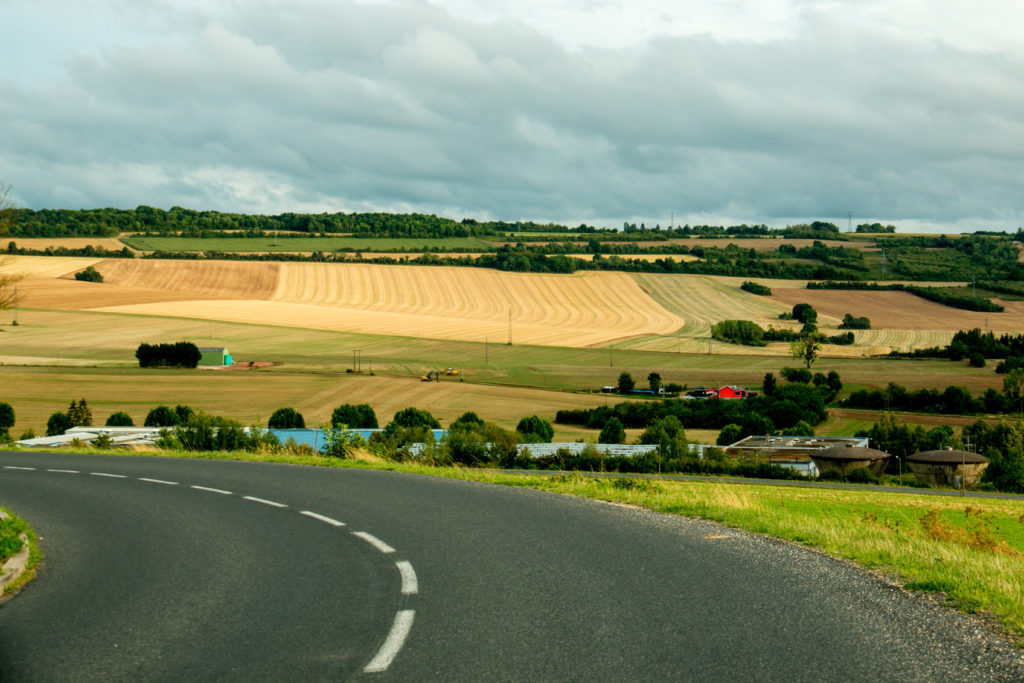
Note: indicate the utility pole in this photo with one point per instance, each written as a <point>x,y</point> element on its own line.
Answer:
<point>510,327</point>
<point>15,323</point>
<point>849,221</point>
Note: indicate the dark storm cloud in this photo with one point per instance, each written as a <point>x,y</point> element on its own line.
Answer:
<point>341,106</point>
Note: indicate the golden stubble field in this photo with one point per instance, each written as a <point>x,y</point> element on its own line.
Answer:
<point>585,309</point>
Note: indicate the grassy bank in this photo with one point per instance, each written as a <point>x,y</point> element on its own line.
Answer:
<point>11,544</point>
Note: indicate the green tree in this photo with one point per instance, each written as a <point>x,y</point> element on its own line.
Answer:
<point>413,417</point>
<point>805,313</point>
<point>90,274</point>
<point>769,383</point>
<point>6,419</point>
<point>1013,383</point>
<point>286,418</point>
<point>626,383</point>
<point>467,418</point>
<point>120,419</point>
<point>730,434</point>
<point>806,349</point>
<point>654,381</point>
<point>80,414</point>
<point>162,416</point>
<point>354,416</point>
<point>58,424</point>
<point>535,429</point>
<point>612,432</point>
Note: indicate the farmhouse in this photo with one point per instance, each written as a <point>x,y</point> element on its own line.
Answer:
<point>214,356</point>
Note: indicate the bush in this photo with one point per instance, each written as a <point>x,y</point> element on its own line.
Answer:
<point>738,332</point>
<point>286,418</point>
<point>162,416</point>
<point>756,288</point>
<point>340,443</point>
<point>535,429</point>
<point>58,424</point>
<point>120,419</point>
<point>977,360</point>
<point>90,274</point>
<point>852,323</point>
<point>354,416</point>
<point>799,375</point>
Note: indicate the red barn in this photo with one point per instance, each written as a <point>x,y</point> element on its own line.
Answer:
<point>732,392</point>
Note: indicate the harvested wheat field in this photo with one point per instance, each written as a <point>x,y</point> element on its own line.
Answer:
<point>45,266</point>
<point>110,243</point>
<point>433,302</point>
<point>902,311</point>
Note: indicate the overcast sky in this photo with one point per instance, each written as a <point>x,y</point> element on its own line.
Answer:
<point>597,111</point>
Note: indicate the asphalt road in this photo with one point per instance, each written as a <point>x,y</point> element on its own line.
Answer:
<point>147,580</point>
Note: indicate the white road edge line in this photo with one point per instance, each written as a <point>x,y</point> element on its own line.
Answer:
<point>158,481</point>
<point>107,474</point>
<point>393,643</point>
<point>15,467</point>
<point>332,522</point>
<point>374,541</point>
<point>410,586</point>
<point>265,502</point>
<point>207,488</point>
<point>65,471</point>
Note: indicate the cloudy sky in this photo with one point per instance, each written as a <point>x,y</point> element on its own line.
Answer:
<point>597,111</point>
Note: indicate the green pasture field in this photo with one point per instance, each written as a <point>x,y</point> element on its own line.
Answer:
<point>53,357</point>
<point>305,244</point>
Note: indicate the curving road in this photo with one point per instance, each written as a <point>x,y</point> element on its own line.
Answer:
<point>171,569</point>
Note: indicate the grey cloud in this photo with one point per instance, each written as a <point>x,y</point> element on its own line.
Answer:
<point>343,106</point>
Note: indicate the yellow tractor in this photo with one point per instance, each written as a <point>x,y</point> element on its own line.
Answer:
<point>451,372</point>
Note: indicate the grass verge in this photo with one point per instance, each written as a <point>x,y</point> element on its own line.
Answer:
<point>11,544</point>
<point>970,551</point>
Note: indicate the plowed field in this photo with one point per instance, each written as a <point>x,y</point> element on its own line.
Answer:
<point>902,311</point>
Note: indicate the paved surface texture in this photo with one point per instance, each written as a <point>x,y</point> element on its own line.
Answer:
<point>144,580</point>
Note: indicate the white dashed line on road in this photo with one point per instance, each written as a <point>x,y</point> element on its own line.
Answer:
<point>107,474</point>
<point>393,643</point>
<point>332,522</point>
<point>15,467</point>
<point>374,541</point>
<point>265,502</point>
<point>65,471</point>
<point>410,586</point>
<point>210,490</point>
<point>158,481</point>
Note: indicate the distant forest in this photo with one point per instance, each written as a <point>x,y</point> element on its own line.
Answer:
<point>553,248</point>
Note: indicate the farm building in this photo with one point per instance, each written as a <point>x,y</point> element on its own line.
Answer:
<point>847,457</point>
<point>790,451</point>
<point>948,467</point>
<point>214,356</point>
